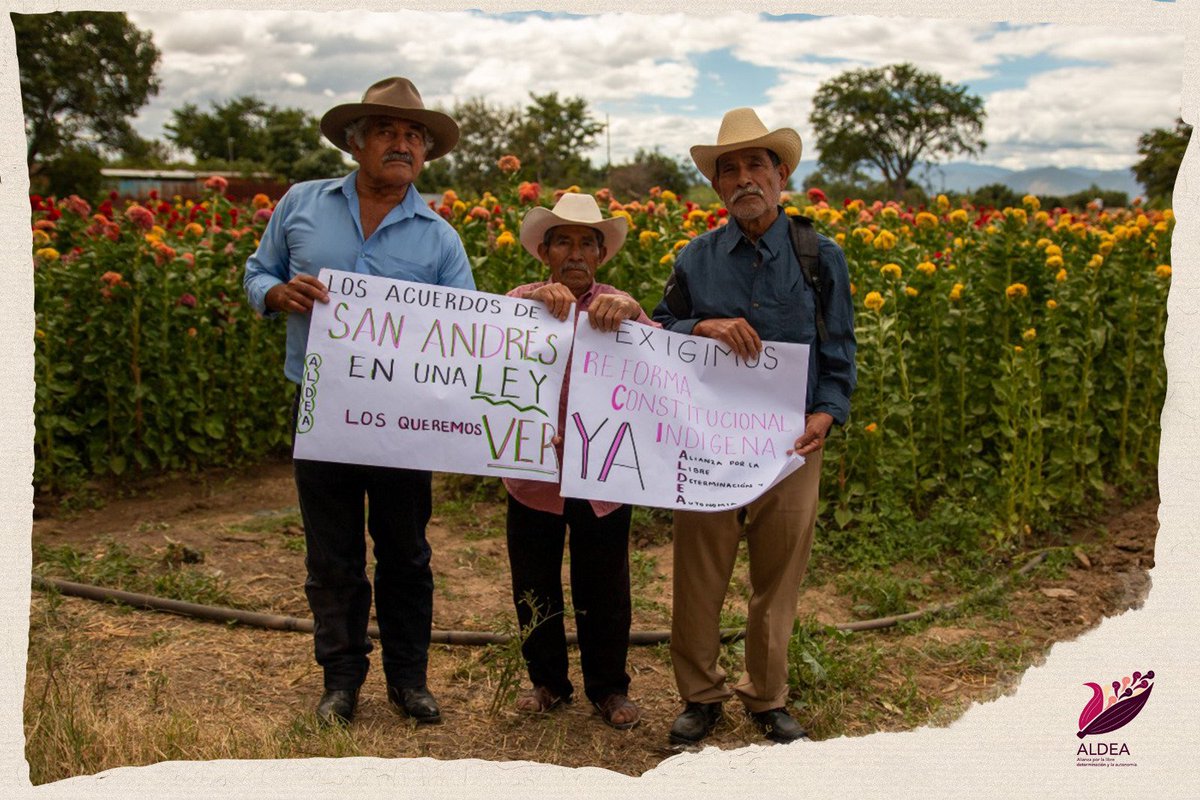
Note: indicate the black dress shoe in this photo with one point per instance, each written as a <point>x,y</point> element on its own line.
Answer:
<point>779,726</point>
<point>417,703</point>
<point>696,722</point>
<point>337,706</point>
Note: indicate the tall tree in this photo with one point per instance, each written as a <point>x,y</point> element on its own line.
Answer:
<point>248,132</point>
<point>892,117</point>
<point>83,75</point>
<point>552,137</point>
<point>485,133</point>
<point>1162,153</point>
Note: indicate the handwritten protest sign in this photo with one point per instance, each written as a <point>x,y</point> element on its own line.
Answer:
<point>406,374</point>
<point>662,419</point>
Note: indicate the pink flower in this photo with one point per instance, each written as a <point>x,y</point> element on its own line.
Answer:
<point>140,216</point>
<point>216,184</point>
<point>78,205</point>
<point>187,300</point>
<point>262,215</point>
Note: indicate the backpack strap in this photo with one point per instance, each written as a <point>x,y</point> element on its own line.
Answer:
<point>807,249</point>
<point>677,297</point>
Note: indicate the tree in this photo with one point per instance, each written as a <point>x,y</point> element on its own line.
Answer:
<point>648,169</point>
<point>995,195</point>
<point>1162,153</point>
<point>552,137</point>
<point>485,133</point>
<point>247,133</point>
<point>83,75</point>
<point>892,117</point>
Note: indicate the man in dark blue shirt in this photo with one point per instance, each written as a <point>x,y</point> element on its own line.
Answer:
<point>742,284</point>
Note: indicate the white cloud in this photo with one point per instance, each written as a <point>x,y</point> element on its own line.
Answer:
<point>644,70</point>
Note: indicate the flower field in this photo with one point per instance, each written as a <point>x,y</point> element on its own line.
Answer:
<point>1010,360</point>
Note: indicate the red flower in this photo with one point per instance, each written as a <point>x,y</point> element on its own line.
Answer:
<point>140,216</point>
<point>528,192</point>
<point>35,201</point>
<point>509,164</point>
<point>216,184</point>
<point>187,300</point>
<point>153,194</point>
<point>262,215</point>
<point>111,278</point>
<point>817,196</point>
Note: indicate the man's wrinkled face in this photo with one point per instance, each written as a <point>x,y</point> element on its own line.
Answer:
<point>393,150</point>
<point>748,183</point>
<point>573,252</point>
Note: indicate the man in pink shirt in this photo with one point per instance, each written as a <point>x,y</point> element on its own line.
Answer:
<point>573,240</point>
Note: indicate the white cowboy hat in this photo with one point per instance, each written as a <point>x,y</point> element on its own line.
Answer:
<point>741,128</point>
<point>392,97</point>
<point>572,209</point>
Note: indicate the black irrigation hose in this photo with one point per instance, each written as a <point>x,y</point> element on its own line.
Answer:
<point>279,622</point>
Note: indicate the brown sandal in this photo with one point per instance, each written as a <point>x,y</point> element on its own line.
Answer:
<point>619,712</point>
<point>538,700</point>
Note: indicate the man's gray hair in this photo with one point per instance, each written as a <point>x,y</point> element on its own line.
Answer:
<point>356,131</point>
<point>599,235</point>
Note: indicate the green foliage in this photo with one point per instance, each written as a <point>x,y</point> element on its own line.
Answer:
<point>1162,152</point>
<point>83,75</point>
<point>284,141</point>
<point>647,170</point>
<point>995,195</point>
<point>891,118</point>
<point>552,137</point>
<point>74,170</point>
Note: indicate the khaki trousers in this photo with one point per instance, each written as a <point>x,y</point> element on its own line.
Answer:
<point>779,534</point>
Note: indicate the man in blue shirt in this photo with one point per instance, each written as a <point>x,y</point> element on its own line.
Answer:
<point>742,284</point>
<point>373,221</point>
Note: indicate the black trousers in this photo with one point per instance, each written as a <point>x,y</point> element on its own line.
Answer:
<point>399,503</point>
<point>599,590</point>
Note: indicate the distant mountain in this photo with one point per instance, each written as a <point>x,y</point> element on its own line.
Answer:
<point>966,177</point>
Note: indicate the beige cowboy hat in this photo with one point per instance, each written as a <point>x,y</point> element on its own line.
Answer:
<point>741,128</point>
<point>572,209</point>
<point>392,97</point>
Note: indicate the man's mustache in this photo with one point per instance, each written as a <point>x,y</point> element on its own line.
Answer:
<point>749,191</point>
<point>397,156</point>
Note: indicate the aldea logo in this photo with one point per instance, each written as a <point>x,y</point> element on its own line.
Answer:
<point>1108,711</point>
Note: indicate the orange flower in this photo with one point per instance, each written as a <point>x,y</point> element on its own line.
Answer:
<point>509,164</point>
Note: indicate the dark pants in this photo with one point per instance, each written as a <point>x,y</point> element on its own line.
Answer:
<point>599,590</point>
<point>339,594</point>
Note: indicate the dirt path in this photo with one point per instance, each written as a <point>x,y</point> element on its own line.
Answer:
<point>171,687</point>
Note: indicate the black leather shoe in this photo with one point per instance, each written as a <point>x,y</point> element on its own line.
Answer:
<point>779,726</point>
<point>337,706</point>
<point>417,703</point>
<point>696,722</point>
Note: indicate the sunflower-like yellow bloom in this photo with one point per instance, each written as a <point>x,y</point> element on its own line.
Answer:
<point>1016,291</point>
<point>891,270</point>
<point>873,301</point>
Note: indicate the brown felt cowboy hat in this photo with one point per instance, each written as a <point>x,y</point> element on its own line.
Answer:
<point>392,97</point>
<point>572,209</point>
<point>741,128</point>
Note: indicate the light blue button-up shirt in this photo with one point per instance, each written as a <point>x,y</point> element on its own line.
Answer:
<point>317,225</point>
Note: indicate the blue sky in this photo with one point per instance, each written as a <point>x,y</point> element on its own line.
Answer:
<point>1056,95</point>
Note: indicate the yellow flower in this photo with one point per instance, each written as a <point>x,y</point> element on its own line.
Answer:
<point>669,258</point>
<point>1168,215</point>
<point>1095,261</point>
<point>1061,276</point>
<point>1054,262</point>
<point>40,238</point>
<point>1043,243</point>
<point>890,212</point>
<point>1160,227</point>
<point>459,208</point>
<point>1016,213</point>
<point>891,270</point>
<point>885,240</point>
<point>958,215</point>
<point>958,242</point>
<point>505,239</point>
<point>697,215</point>
<point>1053,249</point>
<point>991,230</point>
<point>682,243</point>
<point>840,238</point>
<point>1031,201</point>
<point>47,254</point>
<point>669,196</point>
<point>866,234</point>
<point>1105,247</point>
<point>627,216</point>
<point>873,301</point>
<point>1017,291</point>
<point>1163,271</point>
<point>194,229</point>
<point>1142,221</point>
<point>910,291</point>
<point>791,211</point>
<point>1051,304</point>
<point>646,237</point>
<point>855,206</point>
<point>956,292</point>
<point>1018,349</point>
<point>926,268</point>
<point>39,334</point>
<point>943,203</point>
<point>1030,334</point>
<point>926,220</point>
<point>853,289</point>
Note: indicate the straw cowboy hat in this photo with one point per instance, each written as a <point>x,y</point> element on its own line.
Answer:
<point>392,97</point>
<point>572,209</point>
<point>741,128</point>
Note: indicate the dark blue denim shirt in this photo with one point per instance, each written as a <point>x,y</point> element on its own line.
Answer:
<point>724,275</point>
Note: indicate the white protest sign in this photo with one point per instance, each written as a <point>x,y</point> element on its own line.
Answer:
<point>402,374</point>
<point>663,419</point>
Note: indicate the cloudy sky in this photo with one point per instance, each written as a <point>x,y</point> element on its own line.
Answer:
<point>1056,95</point>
